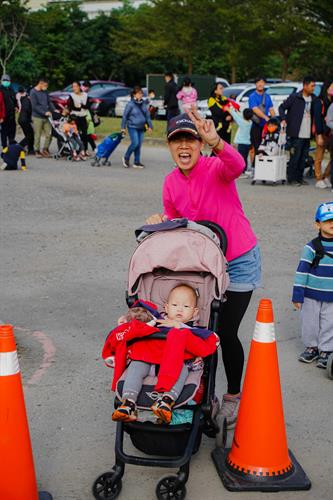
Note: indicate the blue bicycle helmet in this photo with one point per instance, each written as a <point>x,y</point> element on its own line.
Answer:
<point>324,212</point>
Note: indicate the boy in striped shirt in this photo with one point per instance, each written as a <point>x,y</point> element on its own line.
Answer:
<point>313,290</point>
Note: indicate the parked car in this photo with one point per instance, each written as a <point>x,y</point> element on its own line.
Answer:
<point>278,92</point>
<point>157,103</point>
<point>60,97</point>
<point>103,100</point>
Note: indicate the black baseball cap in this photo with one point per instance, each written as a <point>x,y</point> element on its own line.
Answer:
<point>182,123</point>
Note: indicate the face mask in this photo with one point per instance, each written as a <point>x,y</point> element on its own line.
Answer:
<point>5,83</point>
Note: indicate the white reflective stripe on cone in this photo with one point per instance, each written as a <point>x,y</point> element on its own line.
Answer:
<point>9,364</point>
<point>264,332</point>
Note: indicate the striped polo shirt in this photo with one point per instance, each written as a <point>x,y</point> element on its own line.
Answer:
<point>314,282</point>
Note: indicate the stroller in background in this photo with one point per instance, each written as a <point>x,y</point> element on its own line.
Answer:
<point>106,148</point>
<point>272,168</point>
<point>163,260</point>
<point>65,147</point>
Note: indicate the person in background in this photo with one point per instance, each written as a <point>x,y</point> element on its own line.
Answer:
<point>8,124</point>
<point>2,113</point>
<point>300,112</point>
<point>151,108</point>
<point>170,96</point>
<point>137,119</point>
<point>187,96</point>
<point>262,106</point>
<point>329,124</point>
<point>326,98</point>
<point>42,108</point>
<point>78,107</point>
<point>220,108</point>
<point>243,134</point>
<point>25,120</point>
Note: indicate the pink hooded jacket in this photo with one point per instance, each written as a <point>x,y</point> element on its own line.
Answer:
<point>210,193</point>
<point>188,96</point>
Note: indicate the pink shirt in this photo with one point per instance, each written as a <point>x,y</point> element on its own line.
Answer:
<point>210,193</point>
<point>188,95</point>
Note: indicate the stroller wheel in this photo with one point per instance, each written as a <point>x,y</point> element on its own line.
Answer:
<point>221,435</point>
<point>105,489</point>
<point>329,367</point>
<point>283,182</point>
<point>253,183</point>
<point>108,164</point>
<point>168,488</point>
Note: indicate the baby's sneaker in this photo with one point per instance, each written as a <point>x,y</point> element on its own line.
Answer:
<point>322,359</point>
<point>310,354</point>
<point>126,412</point>
<point>162,408</point>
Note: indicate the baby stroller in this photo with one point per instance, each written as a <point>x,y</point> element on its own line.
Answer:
<point>164,259</point>
<point>106,148</point>
<point>65,147</point>
<point>272,168</point>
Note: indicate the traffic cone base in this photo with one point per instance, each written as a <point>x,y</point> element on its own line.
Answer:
<point>293,480</point>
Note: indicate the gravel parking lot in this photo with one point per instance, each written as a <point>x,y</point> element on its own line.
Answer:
<point>67,233</point>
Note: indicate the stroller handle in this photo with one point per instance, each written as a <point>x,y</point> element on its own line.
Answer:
<point>218,230</point>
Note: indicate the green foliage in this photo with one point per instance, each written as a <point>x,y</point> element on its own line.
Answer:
<point>235,39</point>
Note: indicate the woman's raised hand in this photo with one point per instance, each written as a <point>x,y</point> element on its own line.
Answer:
<point>156,219</point>
<point>206,128</point>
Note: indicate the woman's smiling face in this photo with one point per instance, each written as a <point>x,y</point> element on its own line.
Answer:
<point>185,150</point>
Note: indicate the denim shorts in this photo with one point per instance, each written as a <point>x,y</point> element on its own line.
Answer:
<point>245,271</point>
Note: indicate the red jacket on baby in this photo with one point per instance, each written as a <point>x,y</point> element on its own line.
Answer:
<point>170,354</point>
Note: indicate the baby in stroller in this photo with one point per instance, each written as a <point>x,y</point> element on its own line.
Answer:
<point>184,342</point>
<point>68,126</point>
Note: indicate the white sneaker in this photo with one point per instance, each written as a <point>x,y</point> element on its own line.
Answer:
<point>327,182</point>
<point>321,184</point>
<point>229,409</point>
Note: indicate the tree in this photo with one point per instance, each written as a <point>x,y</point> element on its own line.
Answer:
<point>13,21</point>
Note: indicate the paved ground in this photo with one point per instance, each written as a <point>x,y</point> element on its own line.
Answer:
<point>66,237</point>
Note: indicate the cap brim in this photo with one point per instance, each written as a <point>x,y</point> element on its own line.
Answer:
<point>182,130</point>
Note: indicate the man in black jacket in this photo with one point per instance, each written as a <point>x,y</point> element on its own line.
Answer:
<point>300,111</point>
<point>8,126</point>
<point>170,96</point>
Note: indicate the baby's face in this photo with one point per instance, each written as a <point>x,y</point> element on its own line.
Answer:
<point>181,305</point>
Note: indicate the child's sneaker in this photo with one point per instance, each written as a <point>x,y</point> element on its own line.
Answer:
<point>126,412</point>
<point>310,354</point>
<point>162,408</point>
<point>322,359</point>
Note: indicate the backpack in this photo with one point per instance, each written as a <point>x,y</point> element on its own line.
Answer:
<point>320,252</point>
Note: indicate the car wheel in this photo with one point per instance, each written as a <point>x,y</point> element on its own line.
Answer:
<point>111,112</point>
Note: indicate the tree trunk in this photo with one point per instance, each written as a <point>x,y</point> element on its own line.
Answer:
<point>233,73</point>
<point>285,66</point>
<point>190,65</point>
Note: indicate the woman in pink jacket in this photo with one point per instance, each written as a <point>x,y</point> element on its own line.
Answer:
<point>203,188</point>
<point>187,96</point>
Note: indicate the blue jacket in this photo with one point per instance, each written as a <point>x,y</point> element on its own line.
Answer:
<point>136,115</point>
<point>314,282</point>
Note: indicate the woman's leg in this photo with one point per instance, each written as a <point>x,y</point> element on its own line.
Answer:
<point>232,313</point>
<point>137,151</point>
<point>82,126</point>
<point>133,133</point>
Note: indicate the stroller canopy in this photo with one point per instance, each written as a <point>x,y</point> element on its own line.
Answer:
<point>166,259</point>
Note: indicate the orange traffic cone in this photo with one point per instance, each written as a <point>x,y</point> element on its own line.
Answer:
<point>17,473</point>
<point>259,459</point>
